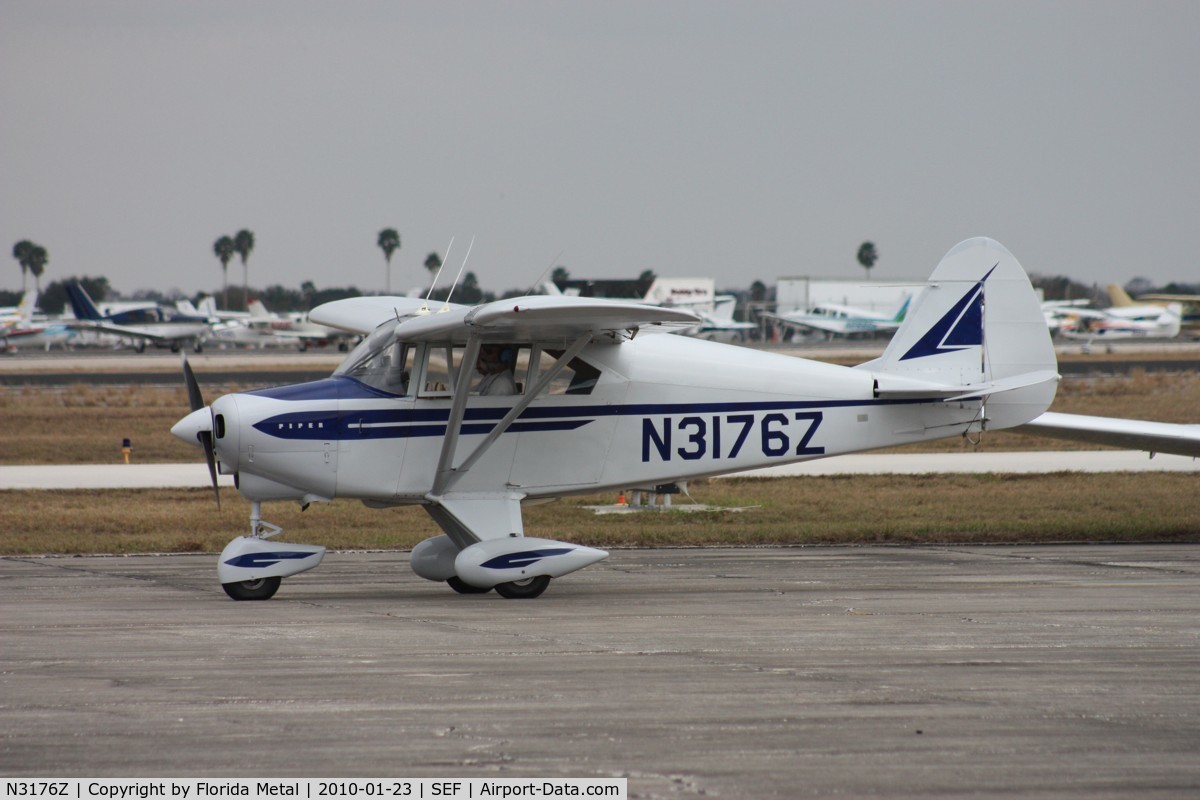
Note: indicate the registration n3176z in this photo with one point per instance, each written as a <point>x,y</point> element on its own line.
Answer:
<point>724,436</point>
<point>35,788</point>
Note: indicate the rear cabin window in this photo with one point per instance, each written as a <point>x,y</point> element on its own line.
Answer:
<point>578,377</point>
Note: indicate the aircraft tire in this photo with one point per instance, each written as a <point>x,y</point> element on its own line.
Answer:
<point>523,590</point>
<point>261,589</point>
<point>462,587</point>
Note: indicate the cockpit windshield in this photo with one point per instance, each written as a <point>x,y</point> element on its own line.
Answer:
<point>380,361</point>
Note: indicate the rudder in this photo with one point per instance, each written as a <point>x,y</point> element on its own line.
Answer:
<point>978,323</point>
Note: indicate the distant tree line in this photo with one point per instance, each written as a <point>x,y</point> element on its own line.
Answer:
<point>32,259</point>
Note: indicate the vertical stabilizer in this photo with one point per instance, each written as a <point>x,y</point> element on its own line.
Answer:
<point>81,303</point>
<point>978,323</point>
<point>27,306</point>
<point>1119,297</point>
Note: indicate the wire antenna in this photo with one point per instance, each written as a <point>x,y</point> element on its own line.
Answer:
<point>446,306</point>
<point>424,309</point>
<point>542,277</point>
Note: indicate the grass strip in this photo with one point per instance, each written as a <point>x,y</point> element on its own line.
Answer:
<point>958,509</point>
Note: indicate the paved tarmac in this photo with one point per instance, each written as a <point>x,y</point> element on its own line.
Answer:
<point>1065,671</point>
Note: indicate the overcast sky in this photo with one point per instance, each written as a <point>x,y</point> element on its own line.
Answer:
<point>743,141</point>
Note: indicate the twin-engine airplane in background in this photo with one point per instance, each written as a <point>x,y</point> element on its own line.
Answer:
<point>152,324</point>
<point>602,404</point>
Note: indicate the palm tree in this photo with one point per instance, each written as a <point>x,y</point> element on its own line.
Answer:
<point>21,252</point>
<point>38,259</point>
<point>389,241</point>
<point>243,243</point>
<point>433,262</point>
<point>867,256</point>
<point>223,248</point>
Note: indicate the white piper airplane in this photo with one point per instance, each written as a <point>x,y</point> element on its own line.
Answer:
<point>601,405</point>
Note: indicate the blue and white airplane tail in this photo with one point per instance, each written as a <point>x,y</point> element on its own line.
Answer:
<point>81,303</point>
<point>976,332</point>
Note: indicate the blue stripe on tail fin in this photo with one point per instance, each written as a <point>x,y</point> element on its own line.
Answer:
<point>960,327</point>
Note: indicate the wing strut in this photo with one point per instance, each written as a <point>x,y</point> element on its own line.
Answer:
<point>447,475</point>
<point>462,390</point>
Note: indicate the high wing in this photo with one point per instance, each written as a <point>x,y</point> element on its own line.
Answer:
<point>1153,437</point>
<point>362,315</point>
<point>515,319</point>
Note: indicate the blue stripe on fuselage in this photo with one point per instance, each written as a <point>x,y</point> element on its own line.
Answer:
<point>405,423</point>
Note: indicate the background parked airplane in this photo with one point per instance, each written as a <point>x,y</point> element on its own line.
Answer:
<point>1189,302</point>
<point>294,327</point>
<point>1140,322</point>
<point>840,320</point>
<point>160,326</point>
<point>20,314</point>
<point>19,330</point>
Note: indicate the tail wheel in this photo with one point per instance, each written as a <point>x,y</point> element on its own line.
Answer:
<point>523,590</point>
<point>258,589</point>
<point>462,587</point>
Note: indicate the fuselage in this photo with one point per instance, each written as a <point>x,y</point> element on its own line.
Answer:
<point>656,409</point>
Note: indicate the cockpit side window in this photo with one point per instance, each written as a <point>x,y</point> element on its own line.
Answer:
<point>381,362</point>
<point>442,365</point>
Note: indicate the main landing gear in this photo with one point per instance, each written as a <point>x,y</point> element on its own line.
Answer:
<point>512,590</point>
<point>257,589</point>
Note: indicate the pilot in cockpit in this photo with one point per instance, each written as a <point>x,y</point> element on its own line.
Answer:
<point>496,363</point>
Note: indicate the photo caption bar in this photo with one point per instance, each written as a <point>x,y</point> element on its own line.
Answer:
<point>313,789</point>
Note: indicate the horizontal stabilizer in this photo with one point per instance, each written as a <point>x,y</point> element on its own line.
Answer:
<point>899,386</point>
<point>1153,437</point>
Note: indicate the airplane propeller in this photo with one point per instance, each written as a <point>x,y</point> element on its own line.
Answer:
<point>204,434</point>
